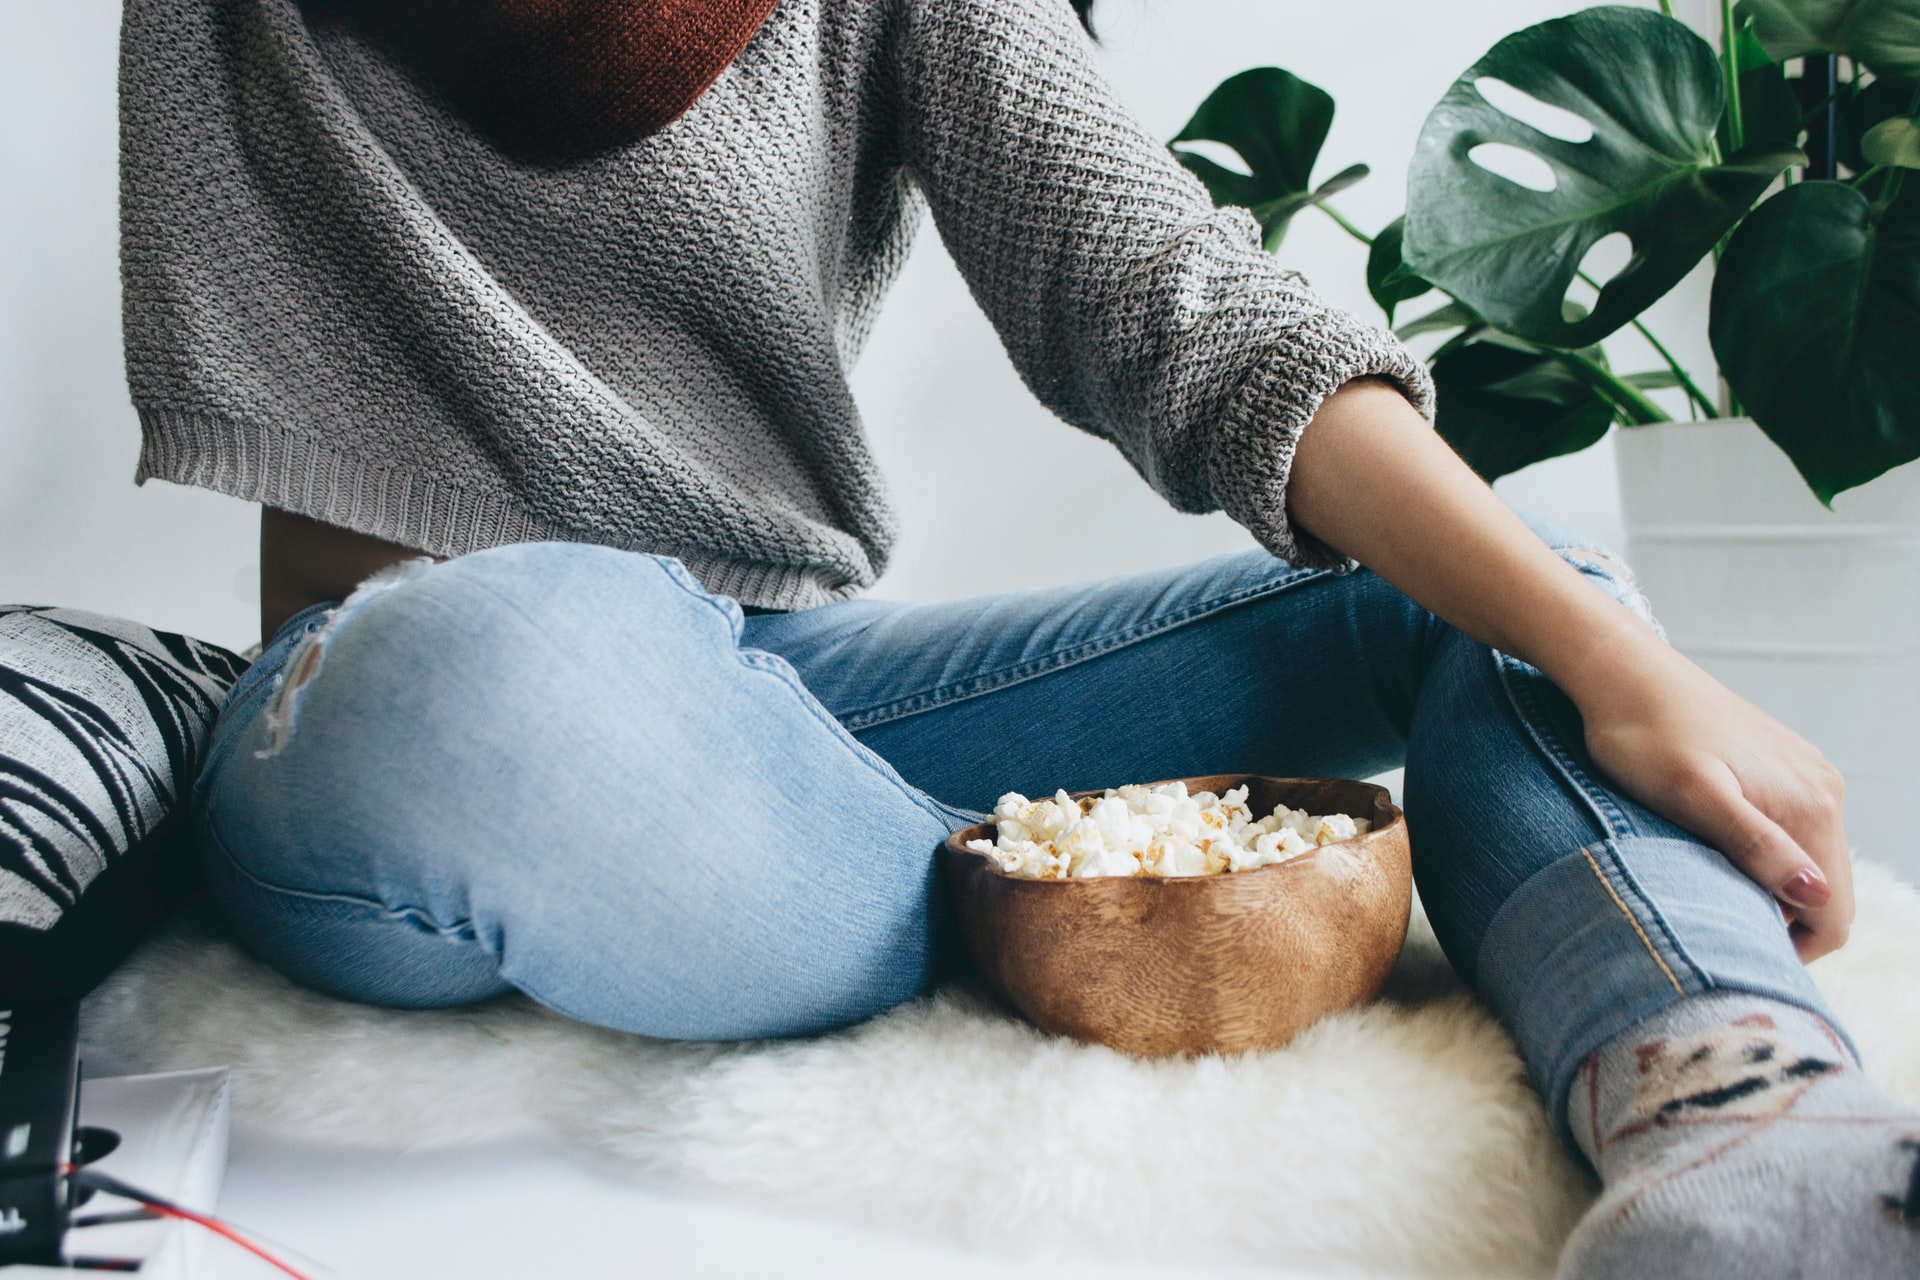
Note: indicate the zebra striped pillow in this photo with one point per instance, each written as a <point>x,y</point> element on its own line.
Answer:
<point>103,725</point>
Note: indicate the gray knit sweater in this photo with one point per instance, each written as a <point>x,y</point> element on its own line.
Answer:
<point>341,301</point>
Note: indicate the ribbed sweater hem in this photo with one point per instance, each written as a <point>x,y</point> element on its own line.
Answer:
<point>260,462</point>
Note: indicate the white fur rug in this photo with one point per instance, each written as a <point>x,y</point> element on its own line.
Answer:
<point>1401,1137</point>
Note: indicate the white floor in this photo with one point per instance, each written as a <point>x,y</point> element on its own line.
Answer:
<point>533,1208</point>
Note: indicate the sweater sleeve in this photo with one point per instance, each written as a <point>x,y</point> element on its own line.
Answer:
<point>1131,307</point>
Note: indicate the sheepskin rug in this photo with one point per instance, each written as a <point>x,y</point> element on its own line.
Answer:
<point>1401,1137</point>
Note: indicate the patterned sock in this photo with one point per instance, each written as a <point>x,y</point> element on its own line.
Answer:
<point>1738,1141</point>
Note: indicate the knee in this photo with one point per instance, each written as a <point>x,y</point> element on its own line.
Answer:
<point>448,690</point>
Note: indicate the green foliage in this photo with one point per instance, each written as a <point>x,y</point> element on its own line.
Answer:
<point>1504,408</point>
<point>1894,143</point>
<point>1860,111</point>
<point>1816,302</point>
<point>1276,123</point>
<point>1884,34</point>
<point>1652,92</point>
<point>1388,279</point>
<point>1816,322</point>
<point>1653,380</point>
<point>1506,403</point>
<point>1454,315</point>
<point>1769,107</point>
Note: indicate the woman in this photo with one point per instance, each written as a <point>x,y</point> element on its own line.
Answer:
<point>564,295</point>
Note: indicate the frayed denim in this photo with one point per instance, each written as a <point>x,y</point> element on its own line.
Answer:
<point>571,771</point>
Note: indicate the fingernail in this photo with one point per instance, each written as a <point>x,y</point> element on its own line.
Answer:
<point>1807,890</point>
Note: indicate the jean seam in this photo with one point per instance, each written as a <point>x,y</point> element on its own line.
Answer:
<point>1532,716</point>
<point>463,931</point>
<point>1632,919</point>
<point>982,683</point>
<point>777,667</point>
<point>226,735</point>
<point>682,577</point>
<point>781,670</point>
<point>1648,913</point>
<point>1612,819</point>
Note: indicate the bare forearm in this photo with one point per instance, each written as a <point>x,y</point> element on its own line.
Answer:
<point>1371,479</point>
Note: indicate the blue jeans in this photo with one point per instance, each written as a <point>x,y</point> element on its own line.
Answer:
<point>570,771</point>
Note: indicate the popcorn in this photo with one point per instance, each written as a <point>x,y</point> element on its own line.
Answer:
<point>1160,831</point>
<point>1087,853</point>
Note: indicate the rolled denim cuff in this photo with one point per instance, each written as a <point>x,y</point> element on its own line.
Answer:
<point>1582,951</point>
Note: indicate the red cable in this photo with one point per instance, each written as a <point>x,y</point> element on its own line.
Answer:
<point>166,1208</point>
<point>220,1228</point>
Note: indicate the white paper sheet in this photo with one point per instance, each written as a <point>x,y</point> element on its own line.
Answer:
<point>173,1143</point>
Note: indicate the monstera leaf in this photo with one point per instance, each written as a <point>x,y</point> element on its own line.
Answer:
<point>1450,316</point>
<point>1860,111</point>
<point>1816,321</point>
<point>1388,279</point>
<point>1894,143</point>
<point>1276,122</point>
<point>1884,34</point>
<point>1503,408</point>
<point>1652,92</point>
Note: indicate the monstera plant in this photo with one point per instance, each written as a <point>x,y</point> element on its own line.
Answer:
<point>1622,123</point>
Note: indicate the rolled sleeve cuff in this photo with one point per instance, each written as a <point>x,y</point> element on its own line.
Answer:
<point>1252,458</point>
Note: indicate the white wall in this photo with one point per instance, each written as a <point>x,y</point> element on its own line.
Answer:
<point>73,529</point>
<point>941,399</point>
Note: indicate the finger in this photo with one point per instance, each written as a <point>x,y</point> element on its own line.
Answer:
<point>1717,809</point>
<point>1812,816</point>
<point>1815,826</point>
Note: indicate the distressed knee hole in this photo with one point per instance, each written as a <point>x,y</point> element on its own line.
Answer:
<point>1602,561</point>
<point>1613,574</point>
<point>309,656</point>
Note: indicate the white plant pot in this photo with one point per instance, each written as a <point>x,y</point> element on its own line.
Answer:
<point>1812,614</point>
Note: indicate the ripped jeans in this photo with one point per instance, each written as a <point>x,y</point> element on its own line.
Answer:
<point>570,771</point>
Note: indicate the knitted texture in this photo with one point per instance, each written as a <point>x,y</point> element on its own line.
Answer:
<point>343,300</point>
<point>1739,1140</point>
<point>558,80</point>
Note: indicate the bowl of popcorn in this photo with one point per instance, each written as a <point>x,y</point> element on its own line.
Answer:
<point>1200,915</point>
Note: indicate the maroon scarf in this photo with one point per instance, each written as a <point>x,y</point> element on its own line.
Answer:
<point>559,80</point>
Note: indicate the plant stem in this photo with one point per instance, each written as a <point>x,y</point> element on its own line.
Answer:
<point>1726,46</point>
<point>1694,393</point>
<point>1628,401</point>
<point>1811,110</point>
<point>1730,51</point>
<point>1344,225</point>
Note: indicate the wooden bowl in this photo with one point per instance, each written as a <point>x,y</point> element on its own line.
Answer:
<point>1222,963</point>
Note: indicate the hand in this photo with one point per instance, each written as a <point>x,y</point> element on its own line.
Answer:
<point>1662,730</point>
<point>1682,744</point>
